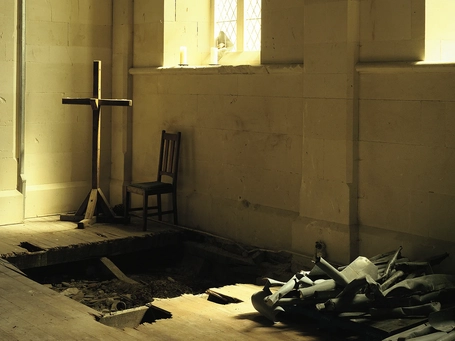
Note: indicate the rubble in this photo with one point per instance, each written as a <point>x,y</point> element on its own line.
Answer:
<point>376,297</point>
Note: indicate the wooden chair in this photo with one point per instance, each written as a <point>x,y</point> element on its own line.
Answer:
<point>168,165</point>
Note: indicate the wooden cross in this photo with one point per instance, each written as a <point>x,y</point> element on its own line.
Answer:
<point>95,202</point>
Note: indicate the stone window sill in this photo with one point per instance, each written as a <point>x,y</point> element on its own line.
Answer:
<point>401,67</point>
<point>220,69</point>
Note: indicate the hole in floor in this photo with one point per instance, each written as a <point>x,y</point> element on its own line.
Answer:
<point>219,298</point>
<point>158,273</point>
<point>30,247</point>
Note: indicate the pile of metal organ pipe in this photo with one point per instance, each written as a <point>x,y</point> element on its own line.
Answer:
<point>384,287</point>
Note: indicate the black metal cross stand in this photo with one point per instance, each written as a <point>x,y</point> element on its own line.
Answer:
<point>95,205</point>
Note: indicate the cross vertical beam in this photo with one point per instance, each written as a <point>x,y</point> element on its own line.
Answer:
<point>96,141</point>
<point>95,207</point>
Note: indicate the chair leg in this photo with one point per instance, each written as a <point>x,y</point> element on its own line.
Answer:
<point>126,204</point>
<point>144,211</point>
<point>158,202</point>
<point>174,208</point>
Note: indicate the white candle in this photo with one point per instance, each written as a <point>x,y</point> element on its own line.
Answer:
<point>213,56</point>
<point>183,55</point>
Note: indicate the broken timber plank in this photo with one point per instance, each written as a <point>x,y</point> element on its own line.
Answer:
<point>116,271</point>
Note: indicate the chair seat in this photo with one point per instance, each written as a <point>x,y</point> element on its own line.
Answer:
<point>150,187</point>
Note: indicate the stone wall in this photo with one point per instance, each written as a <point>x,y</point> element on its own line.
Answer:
<point>63,38</point>
<point>11,199</point>
<point>406,158</point>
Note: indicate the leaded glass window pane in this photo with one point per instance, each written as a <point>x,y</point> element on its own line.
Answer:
<point>226,21</point>
<point>252,34</point>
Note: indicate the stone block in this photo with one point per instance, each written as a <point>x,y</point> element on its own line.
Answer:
<point>390,121</point>
<point>407,86</point>
<point>6,69</point>
<point>177,34</point>
<point>90,35</point>
<point>392,51</point>
<point>228,218</point>
<point>38,11</point>
<point>277,5</point>
<point>47,33</point>
<point>7,23</point>
<point>387,20</point>
<point>384,207</point>
<point>328,22</point>
<point>11,207</point>
<point>89,12</point>
<point>123,12</point>
<point>419,213</point>
<point>337,238</point>
<point>255,114</point>
<point>329,57</point>
<point>389,164</point>
<point>313,158</point>
<point>61,10</point>
<point>335,160</point>
<point>325,118</point>
<point>450,125</point>
<point>270,228</point>
<point>282,43</point>
<point>193,11</point>
<point>55,197</point>
<point>290,85</point>
<point>195,211</point>
<point>8,180</point>
<point>146,11</point>
<point>332,85</point>
<point>442,216</point>
<point>434,123</point>
<point>325,200</point>
<point>41,138</point>
<point>148,44</point>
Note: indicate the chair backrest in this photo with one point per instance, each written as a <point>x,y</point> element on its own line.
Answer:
<point>169,155</point>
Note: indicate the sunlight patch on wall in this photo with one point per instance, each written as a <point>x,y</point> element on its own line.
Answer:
<point>439,31</point>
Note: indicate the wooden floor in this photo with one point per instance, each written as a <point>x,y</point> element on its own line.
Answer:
<point>30,311</point>
<point>49,232</point>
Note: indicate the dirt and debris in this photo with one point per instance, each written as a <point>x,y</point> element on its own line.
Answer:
<point>193,268</point>
<point>114,294</point>
<point>98,291</point>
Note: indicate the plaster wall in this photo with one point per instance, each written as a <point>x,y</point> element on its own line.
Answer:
<point>63,38</point>
<point>9,195</point>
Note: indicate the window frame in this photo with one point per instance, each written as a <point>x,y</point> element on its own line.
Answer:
<point>239,56</point>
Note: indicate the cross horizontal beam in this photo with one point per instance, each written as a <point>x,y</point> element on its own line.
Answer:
<point>101,102</point>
